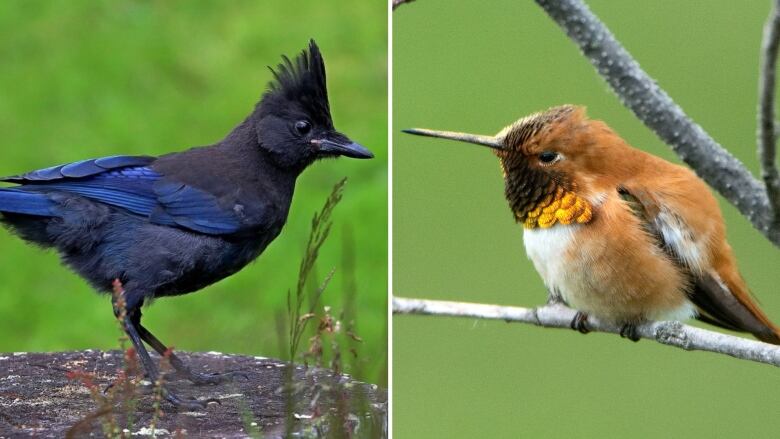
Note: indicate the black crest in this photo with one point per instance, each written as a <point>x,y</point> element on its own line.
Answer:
<point>301,81</point>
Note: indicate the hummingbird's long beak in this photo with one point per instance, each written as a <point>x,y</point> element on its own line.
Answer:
<point>489,141</point>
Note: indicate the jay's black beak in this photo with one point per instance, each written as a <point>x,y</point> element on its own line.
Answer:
<point>339,144</point>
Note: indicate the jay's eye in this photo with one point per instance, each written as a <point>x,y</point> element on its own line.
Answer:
<point>548,157</point>
<point>303,127</point>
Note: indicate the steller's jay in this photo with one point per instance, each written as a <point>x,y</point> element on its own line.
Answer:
<point>174,224</point>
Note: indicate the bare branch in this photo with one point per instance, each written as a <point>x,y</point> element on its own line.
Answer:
<point>767,128</point>
<point>397,3</point>
<point>640,93</point>
<point>558,316</point>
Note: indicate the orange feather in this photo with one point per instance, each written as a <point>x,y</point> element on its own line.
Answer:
<point>616,232</point>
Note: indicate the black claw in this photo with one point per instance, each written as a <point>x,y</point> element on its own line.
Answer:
<point>212,378</point>
<point>138,334</point>
<point>181,368</point>
<point>629,331</point>
<point>554,298</point>
<point>188,404</point>
<point>580,323</point>
<point>108,387</point>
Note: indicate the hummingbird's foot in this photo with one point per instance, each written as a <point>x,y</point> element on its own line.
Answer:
<point>554,297</point>
<point>580,322</point>
<point>629,331</point>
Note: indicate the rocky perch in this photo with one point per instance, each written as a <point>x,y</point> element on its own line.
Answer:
<point>78,394</point>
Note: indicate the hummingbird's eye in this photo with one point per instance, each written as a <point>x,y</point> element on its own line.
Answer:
<point>548,157</point>
<point>302,127</point>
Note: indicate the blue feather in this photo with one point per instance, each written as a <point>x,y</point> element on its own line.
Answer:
<point>84,168</point>
<point>118,181</point>
<point>13,200</point>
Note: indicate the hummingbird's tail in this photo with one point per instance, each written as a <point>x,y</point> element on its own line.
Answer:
<point>773,338</point>
<point>724,300</point>
<point>770,334</point>
<point>762,328</point>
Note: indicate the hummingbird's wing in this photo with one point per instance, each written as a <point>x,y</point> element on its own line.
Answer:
<point>720,303</point>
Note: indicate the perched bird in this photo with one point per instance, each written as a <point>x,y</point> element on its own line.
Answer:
<point>616,232</point>
<point>174,224</point>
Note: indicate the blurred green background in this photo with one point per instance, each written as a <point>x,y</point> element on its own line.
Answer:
<point>81,79</point>
<point>476,66</point>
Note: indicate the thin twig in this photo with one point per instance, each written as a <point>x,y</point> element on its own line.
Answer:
<point>558,316</point>
<point>767,127</point>
<point>653,106</point>
<point>83,425</point>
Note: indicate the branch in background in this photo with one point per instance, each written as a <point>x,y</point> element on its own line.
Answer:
<point>558,316</point>
<point>690,142</point>
<point>767,128</point>
<point>397,3</point>
<point>639,92</point>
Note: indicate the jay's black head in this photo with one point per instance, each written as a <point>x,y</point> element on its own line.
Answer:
<point>293,119</point>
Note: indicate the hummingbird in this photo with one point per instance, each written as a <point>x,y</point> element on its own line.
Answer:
<point>615,232</point>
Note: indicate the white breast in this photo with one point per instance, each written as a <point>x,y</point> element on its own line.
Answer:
<point>546,249</point>
<point>566,267</point>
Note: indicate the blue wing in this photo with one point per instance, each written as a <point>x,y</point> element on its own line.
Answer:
<point>124,182</point>
<point>84,168</point>
<point>15,200</point>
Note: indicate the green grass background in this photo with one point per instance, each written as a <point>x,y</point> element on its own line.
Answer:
<point>476,66</point>
<point>81,79</point>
